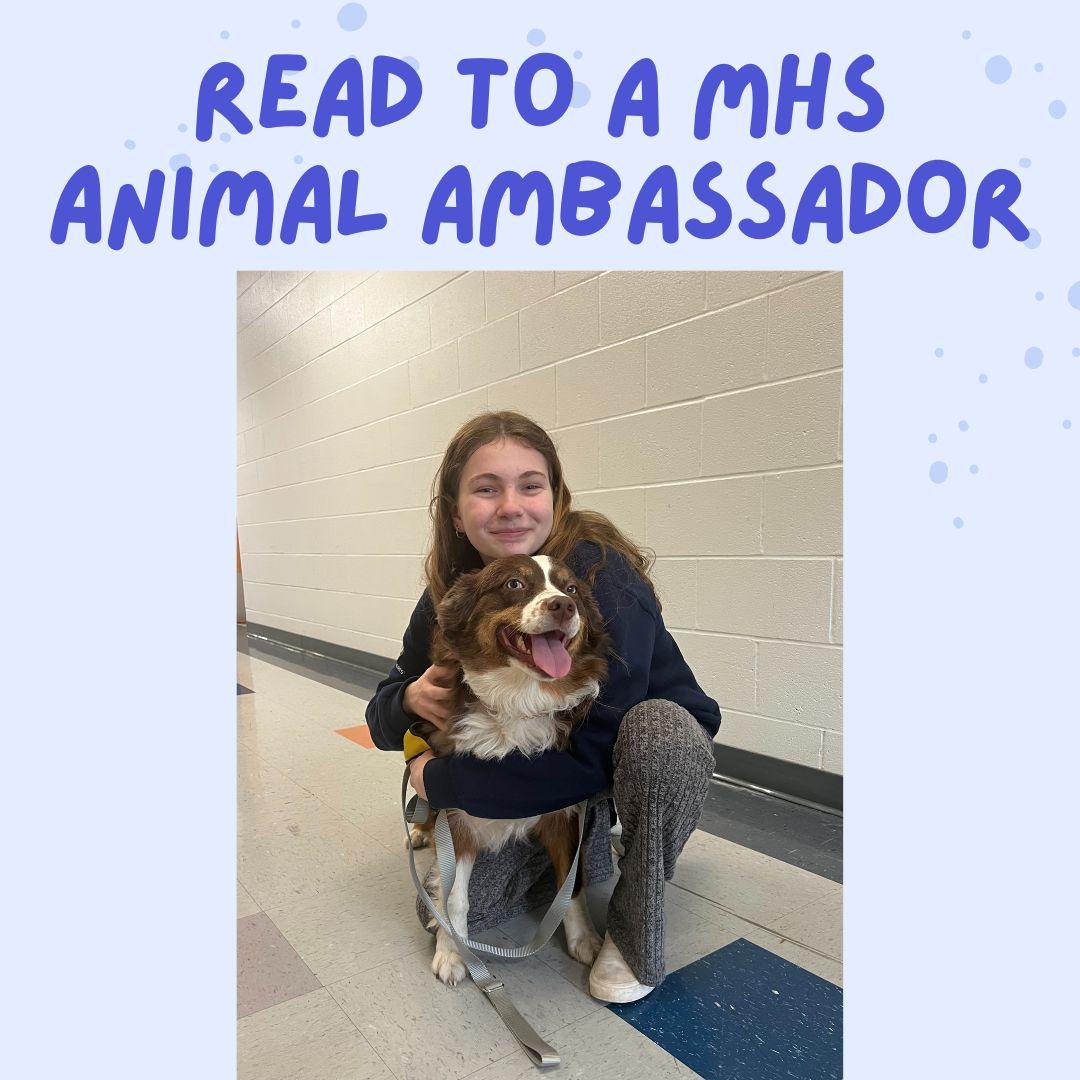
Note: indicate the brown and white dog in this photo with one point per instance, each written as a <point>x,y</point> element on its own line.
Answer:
<point>530,642</point>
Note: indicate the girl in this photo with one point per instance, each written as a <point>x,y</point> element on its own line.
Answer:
<point>647,741</point>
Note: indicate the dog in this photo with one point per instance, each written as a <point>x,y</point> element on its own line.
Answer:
<point>530,643</point>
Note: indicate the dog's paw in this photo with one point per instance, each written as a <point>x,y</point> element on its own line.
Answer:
<point>448,967</point>
<point>584,947</point>
<point>418,838</point>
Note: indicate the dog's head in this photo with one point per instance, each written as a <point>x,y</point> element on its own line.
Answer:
<point>528,612</point>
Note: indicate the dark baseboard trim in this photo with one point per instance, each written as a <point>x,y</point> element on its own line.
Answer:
<point>784,778</point>
<point>370,662</point>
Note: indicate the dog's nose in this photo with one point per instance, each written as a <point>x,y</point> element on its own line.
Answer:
<point>562,607</point>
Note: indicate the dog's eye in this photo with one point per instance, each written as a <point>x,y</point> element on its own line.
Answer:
<point>515,583</point>
<point>571,589</point>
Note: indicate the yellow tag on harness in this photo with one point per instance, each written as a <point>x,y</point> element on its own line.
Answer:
<point>414,746</point>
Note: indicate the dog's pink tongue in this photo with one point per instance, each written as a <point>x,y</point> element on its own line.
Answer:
<point>550,655</point>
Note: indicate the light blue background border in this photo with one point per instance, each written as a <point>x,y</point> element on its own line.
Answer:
<point>960,684</point>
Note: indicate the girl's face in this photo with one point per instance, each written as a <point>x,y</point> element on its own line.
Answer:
<point>504,503</point>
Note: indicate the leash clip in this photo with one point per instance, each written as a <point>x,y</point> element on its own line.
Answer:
<point>417,811</point>
<point>492,988</point>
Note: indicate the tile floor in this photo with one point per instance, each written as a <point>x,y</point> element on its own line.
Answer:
<point>333,966</point>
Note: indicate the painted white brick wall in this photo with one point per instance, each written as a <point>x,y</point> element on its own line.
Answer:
<point>699,411</point>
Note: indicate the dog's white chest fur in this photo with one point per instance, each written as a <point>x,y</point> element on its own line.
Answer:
<point>512,713</point>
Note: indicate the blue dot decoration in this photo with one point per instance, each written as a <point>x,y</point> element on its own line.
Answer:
<point>536,37</point>
<point>1038,67</point>
<point>1040,295</point>
<point>295,24</point>
<point>224,35</point>
<point>998,69</point>
<point>181,127</point>
<point>1076,351</point>
<point>1033,358</point>
<point>224,136</point>
<point>939,472</point>
<point>178,161</point>
<point>963,425</point>
<point>1074,294</point>
<point>931,437</point>
<point>983,378</point>
<point>213,168</point>
<point>966,35</point>
<point>939,352</point>
<point>973,469</point>
<point>1066,424</point>
<point>1034,239</point>
<point>129,143</point>
<point>580,96</point>
<point>412,62</point>
<point>1025,163</point>
<point>577,54</point>
<point>1056,109</point>
<point>352,16</point>
<point>299,159</point>
<point>958,522</point>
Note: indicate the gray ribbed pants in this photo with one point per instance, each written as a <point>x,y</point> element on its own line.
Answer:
<point>663,760</point>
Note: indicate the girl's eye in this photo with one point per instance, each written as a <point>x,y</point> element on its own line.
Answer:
<point>514,583</point>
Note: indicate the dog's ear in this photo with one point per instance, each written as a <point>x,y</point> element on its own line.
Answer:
<point>456,606</point>
<point>442,652</point>
<point>595,635</point>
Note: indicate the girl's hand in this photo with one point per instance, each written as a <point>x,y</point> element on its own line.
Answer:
<point>435,696</point>
<point>416,773</point>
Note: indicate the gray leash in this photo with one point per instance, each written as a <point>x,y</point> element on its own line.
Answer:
<point>417,811</point>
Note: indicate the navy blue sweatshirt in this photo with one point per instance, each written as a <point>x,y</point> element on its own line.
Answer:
<point>646,663</point>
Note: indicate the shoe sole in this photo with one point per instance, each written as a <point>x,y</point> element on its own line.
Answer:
<point>620,995</point>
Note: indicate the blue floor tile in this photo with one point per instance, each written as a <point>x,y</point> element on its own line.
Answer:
<point>742,1013</point>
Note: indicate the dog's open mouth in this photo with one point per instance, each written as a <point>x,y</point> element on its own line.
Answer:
<point>545,652</point>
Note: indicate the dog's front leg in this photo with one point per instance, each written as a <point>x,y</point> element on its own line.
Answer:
<point>559,833</point>
<point>447,963</point>
<point>582,940</point>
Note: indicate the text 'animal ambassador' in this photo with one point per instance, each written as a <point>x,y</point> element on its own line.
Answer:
<point>582,201</point>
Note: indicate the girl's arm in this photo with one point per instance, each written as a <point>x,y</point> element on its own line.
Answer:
<point>386,717</point>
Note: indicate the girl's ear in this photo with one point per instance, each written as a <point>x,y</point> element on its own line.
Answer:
<point>456,606</point>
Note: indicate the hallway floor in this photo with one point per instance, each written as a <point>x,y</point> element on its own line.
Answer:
<point>334,981</point>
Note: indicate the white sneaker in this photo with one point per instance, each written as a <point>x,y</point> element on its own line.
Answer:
<point>616,839</point>
<point>611,978</point>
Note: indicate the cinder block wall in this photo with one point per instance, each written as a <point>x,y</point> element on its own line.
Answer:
<point>700,411</point>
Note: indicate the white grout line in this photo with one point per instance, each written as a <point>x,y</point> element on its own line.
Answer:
<point>577,356</point>
<point>555,430</point>
<point>341,592</point>
<point>326,308</point>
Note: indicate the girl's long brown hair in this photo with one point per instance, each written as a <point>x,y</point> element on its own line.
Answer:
<point>451,555</point>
